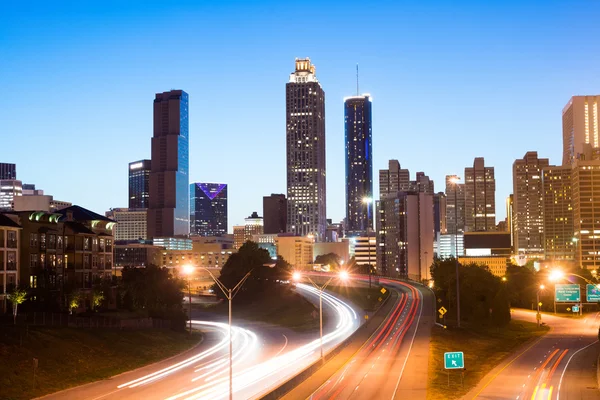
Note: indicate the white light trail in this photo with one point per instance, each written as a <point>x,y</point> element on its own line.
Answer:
<point>286,364</point>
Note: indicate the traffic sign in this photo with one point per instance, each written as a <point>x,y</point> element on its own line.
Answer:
<point>567,293</point>
<point>383,290</point>
<point>454,360</point>
<point>575,309</point>
<point>592,293</point>
<point>442,310</point>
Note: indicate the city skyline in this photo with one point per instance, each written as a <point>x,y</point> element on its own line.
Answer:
<point>529,94</point>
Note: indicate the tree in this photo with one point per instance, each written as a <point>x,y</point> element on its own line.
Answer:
<point>97,298</point>
<point>331,259</point>
<point>264,278</point>
<point>17,296</point>
<point>482,295</point>
<point>155,292</point>
<point>74,301</point>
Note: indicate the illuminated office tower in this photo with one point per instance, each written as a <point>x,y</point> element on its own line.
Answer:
<point>559,243</point>
<point>208,209</point>
<point>580,127</point>
<point>359,165</point>
<point>480,197</point>
<point>528,204</point>
<point>139,184</point>
<point>305,152</point>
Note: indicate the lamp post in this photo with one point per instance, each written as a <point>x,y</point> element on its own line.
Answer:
<point>455,181</point>
<point>538,317</point>
<point>188,270</point>
<point>230,294</point>
<point>343,276</point>
<point>368,201</point>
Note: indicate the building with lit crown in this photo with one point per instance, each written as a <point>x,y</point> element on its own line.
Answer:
<point>208,209</point>
<point>580,127</point>
<point>139,183</point>
<point>305,152</point>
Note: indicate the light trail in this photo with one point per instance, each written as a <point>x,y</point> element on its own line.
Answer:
<point>286,364</point>
<point>244,350</point>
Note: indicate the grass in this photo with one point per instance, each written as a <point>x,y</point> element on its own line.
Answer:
<point>283,308</point>
<point>364,297</point>
<point>484,348</point>
<point>69,357</point>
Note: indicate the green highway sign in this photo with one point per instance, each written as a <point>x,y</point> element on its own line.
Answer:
<point>575,309</point>
<point>592,293</point>
<point>454,360</point>
<point>567,293</point>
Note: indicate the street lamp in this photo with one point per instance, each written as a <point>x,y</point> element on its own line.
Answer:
<point>455,180</point>
<point>368,201</point>
<point>188,270</point>
<point>539,316</point>
<point>230,294</point>
<point>342,275</point>
<point>503,279</point>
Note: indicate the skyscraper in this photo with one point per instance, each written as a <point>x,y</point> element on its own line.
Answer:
<point>405,230</point>
<point>580,126</point>
<point>275,213</point>
<point>393,179</point>
<point>359,165</point>
<point>480,197</point>
<point>455,205</point>
<point>305,144</point>
<point>8,171</point>
<point>586,198</point>
<point>208,209</point>
<point>169,207</point>
<point>558,213</point>
<point>528,204</point>
<point>139,183</point>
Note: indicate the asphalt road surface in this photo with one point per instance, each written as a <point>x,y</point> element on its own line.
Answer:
<point>560,365</point>
<point>393,362</point>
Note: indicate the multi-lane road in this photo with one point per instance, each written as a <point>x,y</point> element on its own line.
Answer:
<point>261,360</point>
<point>393,362</point>
<point>559,365</point>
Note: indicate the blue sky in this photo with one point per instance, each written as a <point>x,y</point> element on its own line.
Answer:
<point>450,81</point>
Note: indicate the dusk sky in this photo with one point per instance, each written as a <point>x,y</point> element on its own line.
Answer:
<point>450,81</point>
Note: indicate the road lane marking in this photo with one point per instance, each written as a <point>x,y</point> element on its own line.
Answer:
<point>284,346</point>
<point>565,369</point>
<point>411,344</point>
<point>511,361</point>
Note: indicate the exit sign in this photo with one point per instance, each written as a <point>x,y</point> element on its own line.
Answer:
<point>454,360</point>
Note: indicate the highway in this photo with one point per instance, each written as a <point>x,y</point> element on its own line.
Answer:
<point>260,361</point>
<point>393,362</point>
<point>559,365</point>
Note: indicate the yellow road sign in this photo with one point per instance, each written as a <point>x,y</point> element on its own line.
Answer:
<point>383,290</point>
<point>442,310</point>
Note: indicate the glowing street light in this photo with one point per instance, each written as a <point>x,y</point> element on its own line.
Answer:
<point>556,275</point>
<point>503,279</point>
<point>342,275</point>
<point>230,294</point>
<point>188,270</point>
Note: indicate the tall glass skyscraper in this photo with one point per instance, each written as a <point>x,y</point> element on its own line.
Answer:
<point>208,209</point>
<point>139,183</point>
<point>359,164</point>
<point>305,145</point>
<point>169,212</point>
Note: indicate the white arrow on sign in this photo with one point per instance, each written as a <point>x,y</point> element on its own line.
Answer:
<point>454,363</point>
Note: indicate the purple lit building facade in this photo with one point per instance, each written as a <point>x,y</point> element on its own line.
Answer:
<point>208,209</point>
